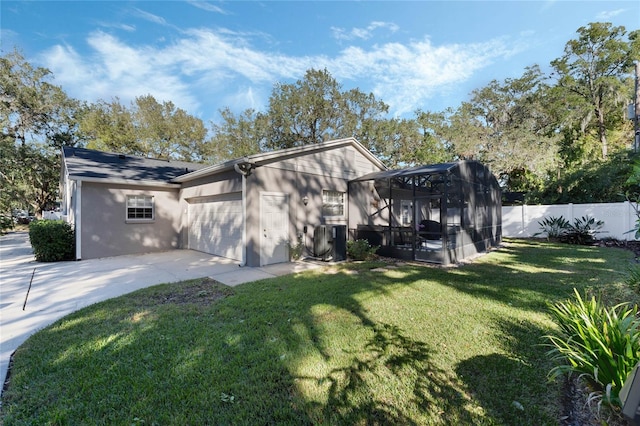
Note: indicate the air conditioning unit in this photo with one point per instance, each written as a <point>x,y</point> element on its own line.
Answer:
<point>322,246</point>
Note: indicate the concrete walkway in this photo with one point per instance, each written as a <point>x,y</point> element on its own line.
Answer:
<point>34,295</point>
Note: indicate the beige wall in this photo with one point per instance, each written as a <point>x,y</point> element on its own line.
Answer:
<point>106,232</point>
<point>367,206</point>
<point>207,186</point>
<point>299,177</point>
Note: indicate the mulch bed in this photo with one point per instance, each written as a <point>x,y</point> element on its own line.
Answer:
<point>633,246</point>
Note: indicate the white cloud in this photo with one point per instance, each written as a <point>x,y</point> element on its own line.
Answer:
<point>150,16</point>
<point>406,75</point>
<point>203,64</point>
<point>362,33</point>
<point>117,70</point>
<point>118,26</point>
<point>607,15</point>
<point>7,40</point>
<point>206,6</point>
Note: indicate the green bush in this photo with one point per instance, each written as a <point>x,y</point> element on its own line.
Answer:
<point>361,250</point>
<point>600,344</point>
<point>553,227</point>
<point>296,251</point>
<point>6,222</point>
<point>633,277</point>
<point>581,231</point>
<point>52,240</point>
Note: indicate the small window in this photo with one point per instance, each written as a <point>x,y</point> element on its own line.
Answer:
<point>140,207</point>
<point>332,203</point>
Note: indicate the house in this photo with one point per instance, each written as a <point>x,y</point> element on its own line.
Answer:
<point>256,209</point>
<point>252,210</point>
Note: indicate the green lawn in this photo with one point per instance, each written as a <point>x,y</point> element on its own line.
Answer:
<point>411,345</point>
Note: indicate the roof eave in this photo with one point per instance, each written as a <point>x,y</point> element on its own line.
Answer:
<point>129,182</point>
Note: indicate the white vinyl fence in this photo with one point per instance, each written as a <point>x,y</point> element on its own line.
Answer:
<point>50,214</point>
<point>618,218</point>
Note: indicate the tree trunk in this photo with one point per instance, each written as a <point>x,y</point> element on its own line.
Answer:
<point>602,131</point>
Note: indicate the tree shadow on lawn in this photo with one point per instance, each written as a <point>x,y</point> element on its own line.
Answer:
<point>172,361</point>
<point>519,372</point>
<point>352,399</point>
<point>237,360</point>
<point>529,274</point>
<point>386,378</point>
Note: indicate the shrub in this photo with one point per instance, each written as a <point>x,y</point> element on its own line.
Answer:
<point>553,227</point>
<point>581,231</point>
<point>52,240</point>
<point>296,251</point>
<point>361,249</point>
<point>633,277</point>
<point>600,344</point>
<point>6,222</point>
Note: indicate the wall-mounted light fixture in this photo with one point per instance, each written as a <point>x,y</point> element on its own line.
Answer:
<point>305,200</point>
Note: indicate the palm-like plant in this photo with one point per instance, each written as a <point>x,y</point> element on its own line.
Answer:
<point>601,344</point>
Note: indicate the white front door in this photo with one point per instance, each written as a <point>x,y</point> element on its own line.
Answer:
<point>274,228</point>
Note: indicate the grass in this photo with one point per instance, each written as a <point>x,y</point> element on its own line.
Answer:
<point>411,345</point>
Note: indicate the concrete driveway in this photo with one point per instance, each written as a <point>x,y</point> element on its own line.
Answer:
<point>34,295</point>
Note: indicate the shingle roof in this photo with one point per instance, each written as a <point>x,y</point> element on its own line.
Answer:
<point>84,163</point>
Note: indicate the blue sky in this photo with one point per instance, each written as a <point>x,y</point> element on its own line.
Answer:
<point>207,55</point>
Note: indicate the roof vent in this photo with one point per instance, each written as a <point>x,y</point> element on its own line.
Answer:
<point>121,156</point>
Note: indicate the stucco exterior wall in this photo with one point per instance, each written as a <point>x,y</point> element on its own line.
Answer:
<point>221,183</point>
<point>304,176</point>
<point>106,231</point>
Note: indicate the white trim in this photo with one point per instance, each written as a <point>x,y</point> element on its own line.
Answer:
<point>345,203</point>
<point>142,219</point>
<point>131,182</point>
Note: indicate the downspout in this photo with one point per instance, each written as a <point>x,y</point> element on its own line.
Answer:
<point>245,170</point>
<point>78,219</point>
<point>244,221</point>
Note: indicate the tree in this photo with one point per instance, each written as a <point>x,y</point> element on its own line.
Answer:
<point>312,110</point>
<point>237,137</point>
<point>591,76</point>
<point>165,131</point>
<point>421,141</point>
<point>147,128</point>
<point>308,111</point>
<point>37,119</point>
<point>108,126</point>
<point>506,126</point>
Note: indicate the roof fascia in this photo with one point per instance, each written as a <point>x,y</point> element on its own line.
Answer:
<point>130,182</point>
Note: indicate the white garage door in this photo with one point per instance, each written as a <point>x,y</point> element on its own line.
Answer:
<point>216,227</point>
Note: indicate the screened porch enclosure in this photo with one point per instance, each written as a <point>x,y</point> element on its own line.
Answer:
<point>440,213</point>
